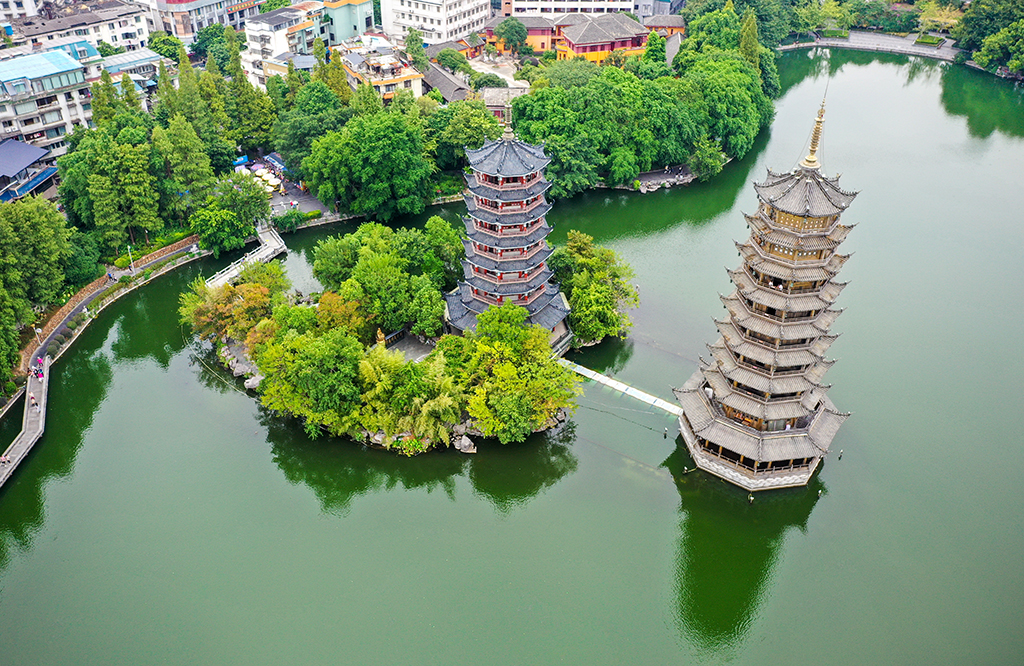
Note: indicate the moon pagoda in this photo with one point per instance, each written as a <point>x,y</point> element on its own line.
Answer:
<point>756,413</point>
<point>506,250</point>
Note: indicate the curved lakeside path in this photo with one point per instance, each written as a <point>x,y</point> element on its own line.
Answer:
<point>861,40</point>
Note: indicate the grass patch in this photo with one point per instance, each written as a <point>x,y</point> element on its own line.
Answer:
<point>929,40</point>
<point>836,34</point>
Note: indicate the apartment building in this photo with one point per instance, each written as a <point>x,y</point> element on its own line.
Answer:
<point>289,29</point>
<point>438,20</point>
<point>185,18</point>
<point>590,36</point>
<point>42,97</point>
<point>112,21</point>
<point>12,9</point>
<point>347,18</point>
<point>372,59</point>
<point>541,7</point>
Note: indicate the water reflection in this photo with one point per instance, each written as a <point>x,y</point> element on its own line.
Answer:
<point>84,377</point>
<point>727,553</point>
<point>338,470</point>
<point>609,357</point>
<point>989,104</point>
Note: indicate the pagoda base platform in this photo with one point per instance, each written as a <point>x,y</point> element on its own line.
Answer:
<point>720,446</point>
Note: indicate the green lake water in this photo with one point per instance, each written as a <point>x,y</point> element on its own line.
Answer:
<point>165,518</point>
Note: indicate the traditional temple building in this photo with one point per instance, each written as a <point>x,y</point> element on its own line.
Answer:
<point>506,250</point>
<point>756,413</point>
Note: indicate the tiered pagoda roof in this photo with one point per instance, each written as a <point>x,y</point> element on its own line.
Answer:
<point>756,413</point>
<point>506,250</point>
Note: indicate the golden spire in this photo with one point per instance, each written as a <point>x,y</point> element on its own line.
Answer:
<point>811,161</point>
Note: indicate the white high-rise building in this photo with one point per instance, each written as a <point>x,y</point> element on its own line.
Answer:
<point>12,9</point>
<point>541,7</point>
<point>438,20</point>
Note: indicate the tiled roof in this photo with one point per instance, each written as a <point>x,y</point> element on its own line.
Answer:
<point>434,49</point>
<point>665,21</point>
<point>508,218</point>
<point>535,22</point>
<point>804,192</point>
<point>507,157</point>
<point>481,189</point>
<point>451,88</point>
<point>492,264</point>
<point>604,28</point>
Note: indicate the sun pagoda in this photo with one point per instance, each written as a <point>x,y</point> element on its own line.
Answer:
<point>506,250</point>
<point>756,413</point>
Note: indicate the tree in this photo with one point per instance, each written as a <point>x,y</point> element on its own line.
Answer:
<point>414,49</point>
<point>373,166</point>
<point>219,230</point>
<point>750,46</point>
<point>596,280</point>
<point>387,287</point>
<point>1006,47</point>
<point>655,50</point>
<point>366,101</point>
<point>207,37</point>
<point>489,81</point>
<point>34,245</point>
<point>460,125</point>
<point>571,74</point>
<point>706,161</point>
<point>243,195</point>
<point>105,100</point>
<point>984,18</point>
<point>426,311</point>
<point>185,163</point>
<point>453,61</point>
<point>107,50</point>
<point>512,33</point>
<point>165,44</point>
<point>515,386</point>
<point>271,5</point>
<point>129,98</point>
<point>82,265</point>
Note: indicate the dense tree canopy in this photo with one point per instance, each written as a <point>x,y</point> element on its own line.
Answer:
<point>512,33</point>
<point>374,166</point>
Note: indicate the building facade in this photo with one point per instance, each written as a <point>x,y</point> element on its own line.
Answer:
<point>506,250</point>
<point>347,19</point>
<point>185,18</point>
<point>42,97</point>
<point>438,20</point>
<point>373,60</point>
<point>597,38</point>
<point>541,7</point>
<point>756,413</point>
<point>14,9</point>
<point>112,21</point>
<point>289,29</point>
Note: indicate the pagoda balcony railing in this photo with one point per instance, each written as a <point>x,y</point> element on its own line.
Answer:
<point>507,232</point>
<point>781,289</point>
<point>750,471</point>
<point>516,185</point>
<point>762,370</point>
<point>496,280</point>
<point>753,393</point>
<point>716,407</point>
<point>509,256</point>
<point>510,208</point>
<point>782,319</point>
<point>500,300</point>
<point>768,343</point>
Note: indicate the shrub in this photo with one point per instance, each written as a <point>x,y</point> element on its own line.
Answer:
<point>60,339</point>
<point>290,220</point>
<point>66,332</point>
<point>636,184</point>
<point>122,262</point>
<point>10,388</point>
<point>314,214</point>
<point>20,380</point>
<point>52,350</point>
<point>79,318</point>
<point>146,274</point>
<point>73,324</point>
<point>840,34</point>
<point>125,279</point>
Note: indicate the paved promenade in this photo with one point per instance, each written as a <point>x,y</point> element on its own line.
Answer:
<point>32,423</point>
<point>881,43</point>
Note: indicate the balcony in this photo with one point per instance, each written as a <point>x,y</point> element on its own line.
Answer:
<point>509,255</point>
<point>509,208</point>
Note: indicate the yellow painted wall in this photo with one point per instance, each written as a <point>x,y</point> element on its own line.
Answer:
<point>598,57</point>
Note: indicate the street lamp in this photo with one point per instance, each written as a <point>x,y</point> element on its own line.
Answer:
<point>38,331</point>
<point>131,261</point>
